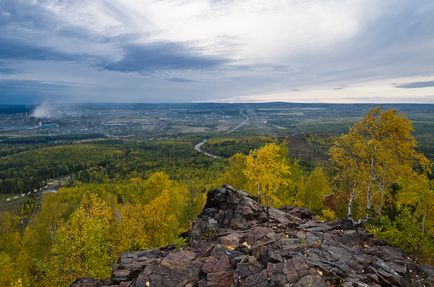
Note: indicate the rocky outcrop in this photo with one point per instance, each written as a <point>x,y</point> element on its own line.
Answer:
<point>236,242</point>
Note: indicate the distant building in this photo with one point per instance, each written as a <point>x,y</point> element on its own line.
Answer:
<point>47,125</point>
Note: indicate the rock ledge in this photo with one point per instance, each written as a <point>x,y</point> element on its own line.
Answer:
<point>236,242</point>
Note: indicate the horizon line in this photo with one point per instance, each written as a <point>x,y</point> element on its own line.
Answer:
<point>216,102</point>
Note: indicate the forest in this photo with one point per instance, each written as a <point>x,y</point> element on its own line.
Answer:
<point>132,195</point>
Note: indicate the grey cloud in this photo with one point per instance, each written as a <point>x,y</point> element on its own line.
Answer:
<point>25,91</point>
<point>5,69</point>
<point>398,43</point>
<point>25,25</point>
<point>395,44</point>
<point>180,80</point>
<point>161,56</point>
<point>340,87</point>
<point>415,85</point>
<point>15,49</point>
<point>25,15</point>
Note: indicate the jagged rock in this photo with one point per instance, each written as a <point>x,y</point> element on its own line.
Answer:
<point>237,242</point>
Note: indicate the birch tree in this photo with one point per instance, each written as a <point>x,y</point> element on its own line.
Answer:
<point>374,153</point>
<point>268,167</point>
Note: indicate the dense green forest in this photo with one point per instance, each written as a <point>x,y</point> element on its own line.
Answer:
<point>100,160</point>
<point>128,194</point>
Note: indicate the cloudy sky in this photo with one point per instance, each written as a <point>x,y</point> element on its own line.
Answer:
<point>216,50</point>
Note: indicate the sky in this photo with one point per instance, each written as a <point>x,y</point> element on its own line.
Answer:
<point>336,51</point>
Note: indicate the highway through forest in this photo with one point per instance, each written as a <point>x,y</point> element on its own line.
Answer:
<point>198,147</point>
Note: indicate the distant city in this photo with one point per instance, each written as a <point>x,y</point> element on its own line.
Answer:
<point>168,120</point>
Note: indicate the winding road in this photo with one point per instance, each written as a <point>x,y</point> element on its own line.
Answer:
<point>198,147</point>
<point>240,125</point>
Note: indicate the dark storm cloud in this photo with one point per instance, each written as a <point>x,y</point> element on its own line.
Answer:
<point>415,85</point>
<point>161,56</point>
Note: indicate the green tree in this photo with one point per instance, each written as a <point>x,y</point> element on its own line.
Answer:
<point>314,190</point>
<point>405,231</point>
<point>234,172</point>
<point>418,192</point>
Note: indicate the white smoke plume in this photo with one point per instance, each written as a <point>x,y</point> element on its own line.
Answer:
<point>44,111</point>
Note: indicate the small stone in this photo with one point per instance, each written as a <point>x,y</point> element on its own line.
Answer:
<point>246,245</point>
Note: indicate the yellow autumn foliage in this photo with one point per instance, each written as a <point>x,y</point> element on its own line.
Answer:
<point>8,274</point>
<point>375,153</point>
<point>80,248</point>
<point>268,168</point>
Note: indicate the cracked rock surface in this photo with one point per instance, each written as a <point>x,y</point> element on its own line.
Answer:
<point>237,242</point>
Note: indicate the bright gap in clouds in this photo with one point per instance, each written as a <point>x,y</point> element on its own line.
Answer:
<point>187,50</point>
<point>368,92</point>
<point>253,31</point>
